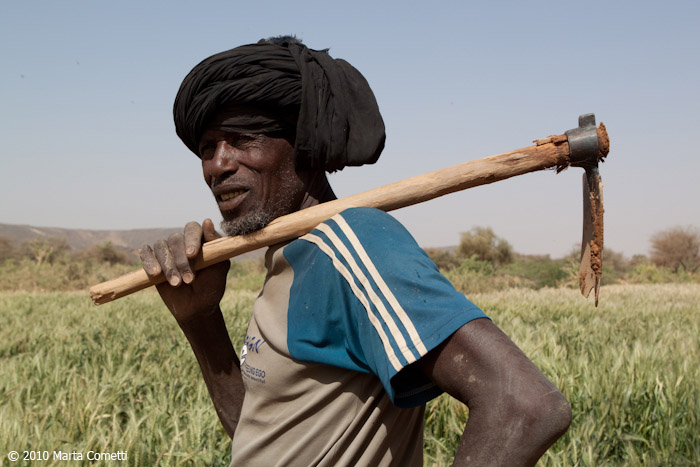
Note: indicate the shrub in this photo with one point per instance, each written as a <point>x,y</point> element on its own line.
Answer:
<point>445,260</point>
<point>475,276</point>
<point>483,243</point>
<point>477,266</point>
<point>650,273</point>
<point>106,253</point>
<point>676,248</point>
<point>7,251</point>
<point>44,249</point>
<point>541,271</point>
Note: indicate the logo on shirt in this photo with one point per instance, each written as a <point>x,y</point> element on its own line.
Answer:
<point>251,344</point>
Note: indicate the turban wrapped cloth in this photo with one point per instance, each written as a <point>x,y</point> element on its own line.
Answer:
<point>325,103</point>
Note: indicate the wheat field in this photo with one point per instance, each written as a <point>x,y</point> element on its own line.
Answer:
<point>121,378</point>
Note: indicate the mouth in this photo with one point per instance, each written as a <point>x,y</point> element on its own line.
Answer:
<point>230,198</point>
<point>223,197</point>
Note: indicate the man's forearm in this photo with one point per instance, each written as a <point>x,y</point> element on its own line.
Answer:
<point>515,412</point>
<point>512,435</point>
<point>220,366</point>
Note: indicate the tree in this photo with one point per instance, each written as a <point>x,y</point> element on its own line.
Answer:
<point>482,243</point>
<point>7,251</point>
<point>106,253</point>
<point>45,249</point>
<point>675,248</point>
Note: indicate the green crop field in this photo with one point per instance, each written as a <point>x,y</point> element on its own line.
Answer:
<point>120,377</point>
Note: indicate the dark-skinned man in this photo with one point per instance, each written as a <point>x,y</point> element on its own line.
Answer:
<point>355,329</point>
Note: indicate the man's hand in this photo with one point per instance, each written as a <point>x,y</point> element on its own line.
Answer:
<point>194,302</point>
<point>186,295</point>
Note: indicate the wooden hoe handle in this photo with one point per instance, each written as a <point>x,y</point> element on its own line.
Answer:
<point>550,152</point>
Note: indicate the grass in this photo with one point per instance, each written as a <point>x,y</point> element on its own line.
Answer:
<point>76,377</point>
<point>629,368</point>
<point>117,377</point>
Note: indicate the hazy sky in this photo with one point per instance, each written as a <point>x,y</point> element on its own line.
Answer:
<point>86,92</point>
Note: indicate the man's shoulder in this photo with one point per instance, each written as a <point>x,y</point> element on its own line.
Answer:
<point>360,232</point>
<point>361,219</point>
<point>365,211</point>
<point>363,224</point>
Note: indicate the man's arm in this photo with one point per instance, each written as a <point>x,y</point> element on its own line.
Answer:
<point>515,412</point>
<point>220,366</point>
<point>194,302</point>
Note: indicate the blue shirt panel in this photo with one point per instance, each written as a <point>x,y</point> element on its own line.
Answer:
<point>328,323</point>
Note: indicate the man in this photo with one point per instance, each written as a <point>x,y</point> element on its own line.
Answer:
<point>355,329</point>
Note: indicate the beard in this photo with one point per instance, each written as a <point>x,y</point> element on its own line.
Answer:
<point>254,221</point>
<point>247,224</point>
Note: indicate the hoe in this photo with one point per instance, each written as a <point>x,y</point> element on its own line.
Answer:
<point>584,146</point>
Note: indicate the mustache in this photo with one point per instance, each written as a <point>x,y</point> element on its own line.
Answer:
<point>226,179</point>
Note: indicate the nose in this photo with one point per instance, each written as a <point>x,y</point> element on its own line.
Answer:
<point>224,162</point>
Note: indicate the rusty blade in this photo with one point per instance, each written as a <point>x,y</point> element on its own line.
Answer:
<point>591,268</point>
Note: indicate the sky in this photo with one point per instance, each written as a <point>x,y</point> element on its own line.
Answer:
<point>86,93</point>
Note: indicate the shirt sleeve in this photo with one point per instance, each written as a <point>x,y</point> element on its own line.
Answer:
<point>366,297</point>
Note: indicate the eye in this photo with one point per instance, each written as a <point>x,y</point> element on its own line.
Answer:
<point>206,151</point>
<point>242,139</point>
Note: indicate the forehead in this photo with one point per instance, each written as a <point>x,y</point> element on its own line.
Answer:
<point>247,119</point>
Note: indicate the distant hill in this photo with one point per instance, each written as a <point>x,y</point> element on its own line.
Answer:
<point>79,239</point>
<point>126,240</point>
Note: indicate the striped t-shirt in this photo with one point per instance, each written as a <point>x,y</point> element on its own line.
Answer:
<point>327,358</point>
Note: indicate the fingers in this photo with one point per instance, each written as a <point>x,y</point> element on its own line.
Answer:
<point>209,231</point>
<point>176,244</point>
<point>169,258</point>
<point>174,257</point>
<point>193,239</point>
<point>166,258</point>
<point>149,261</point>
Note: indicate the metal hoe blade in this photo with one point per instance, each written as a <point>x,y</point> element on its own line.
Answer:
<point>583,144</point>
<point>591,268</point>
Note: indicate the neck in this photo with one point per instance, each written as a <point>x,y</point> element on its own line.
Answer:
<point>318,191</point>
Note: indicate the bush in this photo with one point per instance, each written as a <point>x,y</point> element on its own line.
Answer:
<point>475,276</point>
<point>615,267</point>
<point>676,248</point>
<point>106,253</point>
<point>44,249</point>
<point>7,251</point>
<point>68,274</point>
<point>483,243</point>
<point>476,266</point>
<point>541,271</point>
<point>445,260</point>
<point>650,273</point>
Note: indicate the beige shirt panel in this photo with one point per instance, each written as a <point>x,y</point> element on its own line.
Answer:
<point>308,414</point>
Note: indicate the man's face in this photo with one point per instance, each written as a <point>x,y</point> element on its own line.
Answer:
<point>252,177</point>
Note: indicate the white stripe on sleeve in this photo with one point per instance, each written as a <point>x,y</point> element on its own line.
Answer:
<point>391,299</point>
<point>340,267</point>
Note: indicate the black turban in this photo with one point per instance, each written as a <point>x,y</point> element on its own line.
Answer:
<point>264,88</point>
